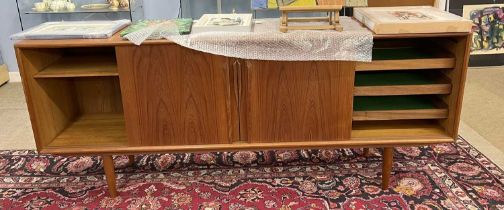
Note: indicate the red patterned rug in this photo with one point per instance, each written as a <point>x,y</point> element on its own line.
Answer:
<point>448,176</point>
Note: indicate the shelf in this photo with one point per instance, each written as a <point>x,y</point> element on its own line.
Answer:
<point>396,108</point>
<point>386,83</point>
<point>400,129</point>
<point>78,10</point>
<point>406,58</point>
<point>80,66</point>
<point>93,130</point>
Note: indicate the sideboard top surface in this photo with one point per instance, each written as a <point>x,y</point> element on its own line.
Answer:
<point>116,40</point>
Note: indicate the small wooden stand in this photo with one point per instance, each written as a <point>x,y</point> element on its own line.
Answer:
<point>332,17</point>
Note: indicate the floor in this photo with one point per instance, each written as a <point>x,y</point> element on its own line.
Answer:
<point>482,114</point>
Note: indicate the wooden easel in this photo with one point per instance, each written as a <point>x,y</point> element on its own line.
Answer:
<point>331,7</point>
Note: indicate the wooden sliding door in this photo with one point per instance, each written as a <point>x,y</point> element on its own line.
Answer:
<point>296,101</point>
<point>176,96</point>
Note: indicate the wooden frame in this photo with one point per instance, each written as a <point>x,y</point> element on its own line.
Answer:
<point>110,99</point>
<point>332,17</point>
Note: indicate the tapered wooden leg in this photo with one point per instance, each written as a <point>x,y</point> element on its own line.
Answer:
<point>366,152</point>
<point>108,165</point>
<point>388,158</point>
<point>131,160</point>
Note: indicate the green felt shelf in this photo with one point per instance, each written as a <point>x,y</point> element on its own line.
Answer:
<point>400,53</point>
<point>375,103</point>
<point>382,78</point>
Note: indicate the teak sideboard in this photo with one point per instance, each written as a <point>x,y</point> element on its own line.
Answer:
<point>106,97</point>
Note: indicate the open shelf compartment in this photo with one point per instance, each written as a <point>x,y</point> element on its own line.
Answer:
<point>386,83</point>
<point>81,112</point>
<point>81,62</point>
<point>398,108</point>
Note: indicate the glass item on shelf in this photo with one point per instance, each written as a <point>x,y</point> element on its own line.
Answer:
<point>96,6</point>
<point>36,12</point>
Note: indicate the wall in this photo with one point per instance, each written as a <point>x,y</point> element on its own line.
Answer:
<point>10,25</point>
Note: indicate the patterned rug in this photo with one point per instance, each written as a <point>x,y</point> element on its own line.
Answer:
<point>447,176</point>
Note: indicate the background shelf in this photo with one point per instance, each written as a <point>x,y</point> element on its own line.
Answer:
<point>78,10</point>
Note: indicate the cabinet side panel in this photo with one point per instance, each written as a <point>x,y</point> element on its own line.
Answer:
<point>460,48</point>
<point>297,101</point>
<point>174,96</point>
<point>50,102</point>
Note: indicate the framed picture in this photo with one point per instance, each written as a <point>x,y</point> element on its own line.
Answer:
<point>488,28</point>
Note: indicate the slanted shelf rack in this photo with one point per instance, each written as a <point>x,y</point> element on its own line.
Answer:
<point>408,56</point>
<point>410,89</point>
<point>79,95</point>
<point>387,83</point>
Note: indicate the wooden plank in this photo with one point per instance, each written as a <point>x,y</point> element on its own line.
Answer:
<point>296,101</point>
<point>309,19</point>
<point>400,114</point>
<point>406,64</point>
<point>80,66</point>
<point>93,130</point>
<point>318,8</point>
<point>390,90</point>
<point>398,129</point>
<point>175,96</point>
<point>314,27</point>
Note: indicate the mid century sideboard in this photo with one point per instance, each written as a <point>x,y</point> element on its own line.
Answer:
<point>107,97</point>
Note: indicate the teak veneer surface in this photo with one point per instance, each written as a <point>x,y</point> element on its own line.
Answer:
<point>178,96</point>
<point>296,101</point>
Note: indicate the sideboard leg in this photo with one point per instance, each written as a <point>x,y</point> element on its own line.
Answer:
<point>131,160</point>
<point>108,165</point>
<point>388,158</point>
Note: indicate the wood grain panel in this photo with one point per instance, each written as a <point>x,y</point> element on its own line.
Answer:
<point>175,96</point>
<point>296,101</point>
<point>98,95</point>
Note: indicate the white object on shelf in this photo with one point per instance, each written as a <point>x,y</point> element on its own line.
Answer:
<point>223,22</point>
<point>415,19</point>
